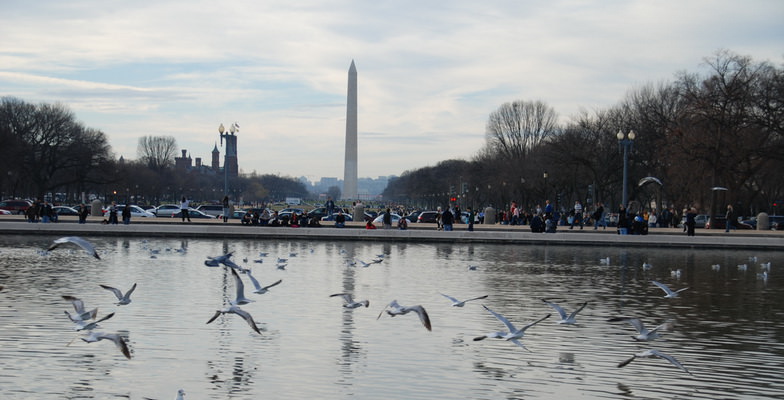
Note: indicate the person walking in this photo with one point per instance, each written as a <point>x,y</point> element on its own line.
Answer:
<point>113,213</point>
<point>184,205</point>
<point>690,221</point>
<point>126,214</point>
<point>577,218</point>
<point>226,207</point>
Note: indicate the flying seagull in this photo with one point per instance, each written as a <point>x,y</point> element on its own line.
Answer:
<point>88,326</point>
<point>394,309</point>
<point>233,309</point>
<point>459,303</point>
<point>670,294</point>
<point>240,299</point>
<point>348,300</point>
<point>654,354</point>
<point>93,337</point>
<point>565,319</point>
<point>514,335</point>
<point>80,313</point>
<point>644,334</point>
<point>122,299</point>
<point>260,289</point>
<point>85,245</point>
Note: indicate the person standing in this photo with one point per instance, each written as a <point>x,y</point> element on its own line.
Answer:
<point>730,218</point>
<point>184,205</point>
<point>470,219</point>
<point>598,217</point>
<point>387,219</point>
<point>82,213</point>
<point>578,215</point>
<point>447,219</point>
<point>548,210</point>
<point>623,221</point>
<point>690,221</point>
<point>226,214</point>
<point>113,213</point>
<point>126,214</point>
<point>330,206</point>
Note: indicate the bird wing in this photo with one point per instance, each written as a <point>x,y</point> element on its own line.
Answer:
<point>574,313</point>
<point>130,291</point>
<point>671,359</point>
<point>393,303</point>
<point>638,325</point>
<point>454,300</point>
<point>214,316</point>
<point>247,317</point>
<point>519,343</point>
<point>626,361</point>
<point>118,341</point>
<point>78,304</point>
<point>665,326</point>
<point>422,316</point>
<point>501,318</point>
<point>253,280</point>
<point>116,291</point>
<point>475,298</point>
<point>663,287</point>
<point>556,307</point>
<point>534,323</point>
<point>273,284</point>
<point>239,284</point>
<point>347,298</point>
<point>85,245</point>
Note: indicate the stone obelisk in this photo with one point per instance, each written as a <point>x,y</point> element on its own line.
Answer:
<point>350,166</point>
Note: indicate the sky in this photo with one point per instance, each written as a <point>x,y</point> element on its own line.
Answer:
<point>429,72</point>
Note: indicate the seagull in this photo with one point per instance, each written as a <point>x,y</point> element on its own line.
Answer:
<point>241,299</point>
<point>670,294</point>
<point>233,309</point>
<point>394,308</point>
<point>180,395</point>
<point>654,354</point>
<point>85,245</point>
<point>88,326</point>
<point>81,314</point>
<point>348,300</point>
<point>93,337</point>
<point>716,267</point>
<point>122,298</point>
<point>766,266</point>
<point>605,261</point>
<point>763,276</point>
<point>224,259</point>
<point>644,334</point>
<point>458,303</point>
<point>565,319</point>
<point>259,288</point>
<point>753,259</point>
<point>363,264</point>
<point>742,267</point>
<point>646,266</point>
<point>514,335</point>
<point>676,273</point>
<point>472,267</point>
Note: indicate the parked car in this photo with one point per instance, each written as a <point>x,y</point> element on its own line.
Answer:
<point>332,217</point>
<point>319,213</point>
<point>427,216</point>
<point>192,213</point>
<point>136,211</point>
<point>65,210</point>
<point>720,222</point>
<point>699,221</point>
<point>165,210</point>
<point>380,219</point>
<point>776,222</point>
<point>15,206</point>
<point>5,212</point>
<point>216,210</point>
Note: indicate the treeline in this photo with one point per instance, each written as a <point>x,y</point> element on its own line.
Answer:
<point>699,135</point>
<point>47,153</point>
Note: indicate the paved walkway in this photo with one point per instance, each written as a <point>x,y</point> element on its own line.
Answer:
<point>499,234</point>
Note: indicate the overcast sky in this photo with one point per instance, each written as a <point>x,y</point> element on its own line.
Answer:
<point>429,72</point>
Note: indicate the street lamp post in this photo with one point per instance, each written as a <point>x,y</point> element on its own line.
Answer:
<point>221,129</point>
<point>544,175</point>
<point>626,141</point>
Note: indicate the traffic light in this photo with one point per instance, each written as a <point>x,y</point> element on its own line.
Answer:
<point>453,199</point>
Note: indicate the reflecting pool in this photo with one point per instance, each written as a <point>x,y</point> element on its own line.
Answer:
<point>727,328</point>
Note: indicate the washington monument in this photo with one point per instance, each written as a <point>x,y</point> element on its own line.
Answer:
<point>350,167</point>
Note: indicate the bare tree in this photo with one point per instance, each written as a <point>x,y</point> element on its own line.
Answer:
<point>157,152</point>
<point>516,128</point>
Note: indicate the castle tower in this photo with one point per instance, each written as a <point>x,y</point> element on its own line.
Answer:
<point>215,158</point>
<point>350,166</point>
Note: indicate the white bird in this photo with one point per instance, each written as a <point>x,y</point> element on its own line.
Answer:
<point>81,314</point>
<point>654,354</point>
<point>514,335</point>
<point>240,298</point>
<point>282,260</point>
<point>260,289</point>
<point>281,266</point>
<point>676,273</point>
<point>224,259</point>
<point>88,326</point>
<point>394,309</point>
<point>742,267</point>
<point>363,264</point>
<point>763,276</point>
<point>565,319</point>
<point>766,266</point>
<point>669,293</point>
<point>605,261</point>
<point>647,266</point>
<point>93,337</point>
<point>472,267</point>
<point>180,395</point>
<point>348,300</point>
<point>84,244</point>
<point>459,303</point>
<point>351,263</point>
<point>233,309</point>
<point>753,259</point>
<point>716,267</point>
<point>644,334</point>
<point>123,299</point>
